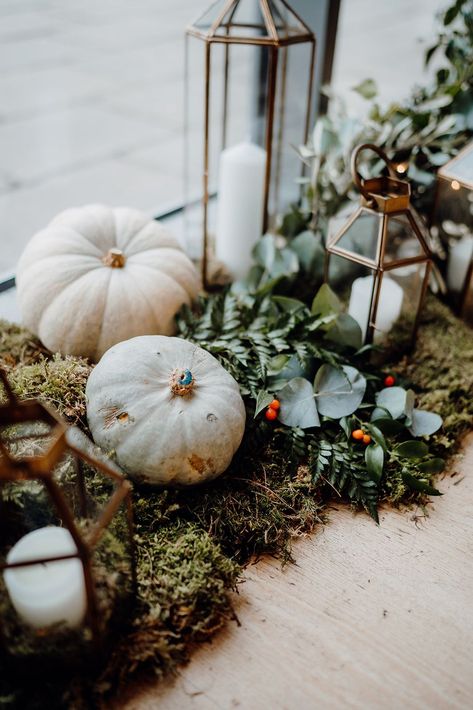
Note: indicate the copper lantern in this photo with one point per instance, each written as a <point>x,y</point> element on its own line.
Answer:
<point>379,262</point>
<point>54,581</point>
<point>453,216</point>
<point>249,77</point>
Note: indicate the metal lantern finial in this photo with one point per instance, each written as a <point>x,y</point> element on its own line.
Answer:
<point>246,76</point>
<point>382,253</point>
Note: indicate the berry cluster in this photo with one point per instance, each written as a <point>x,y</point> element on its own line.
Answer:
<point>362,436</point>
<point>272,410</point>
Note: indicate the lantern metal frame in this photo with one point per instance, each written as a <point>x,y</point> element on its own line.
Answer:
<point>447,177</point>
<point>387,196</point>
<point>40,468</point>
<point>271,38</point>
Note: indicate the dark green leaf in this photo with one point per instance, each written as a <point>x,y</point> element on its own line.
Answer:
<point>310,252</point>
<point>298,408</point>
<point>389,427</point>
<point>419,484</point>
<point>374,457</point>
<point>412,449</point>
<point>288,304</point>
<point>424,423</point>
<point>377,435</point>
<point>339,392</point>
<point>432,466</point>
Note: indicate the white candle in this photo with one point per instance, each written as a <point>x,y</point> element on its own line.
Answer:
<point>459,257</point>
<point>240,206</point>
<point>51,592</point>
<point>389,304</point>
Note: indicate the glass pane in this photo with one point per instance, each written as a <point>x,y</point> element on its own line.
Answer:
<point>244,19</point>
<point>403,289</point>
<point>461,167</point>
<point>286,22</point>
<point>401,241</point>
<point>361,237</point>
<point>353,285</point>
<point>211,15</point>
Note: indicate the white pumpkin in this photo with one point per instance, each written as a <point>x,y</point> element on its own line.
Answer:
<point>167,408</point>
<point>96,276</point>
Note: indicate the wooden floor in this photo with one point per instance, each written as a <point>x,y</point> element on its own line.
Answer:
<point>369,617</point>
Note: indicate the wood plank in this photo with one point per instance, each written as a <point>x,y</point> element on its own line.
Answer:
<point>368,617</point>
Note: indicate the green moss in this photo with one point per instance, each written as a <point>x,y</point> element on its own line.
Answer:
<point>60,381</point>
<point>18,346</point>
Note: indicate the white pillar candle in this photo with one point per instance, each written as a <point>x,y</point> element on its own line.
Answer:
<point>459,257</point>
<point>51,592</point>
<point>389,304</point>
<point>240,206</point>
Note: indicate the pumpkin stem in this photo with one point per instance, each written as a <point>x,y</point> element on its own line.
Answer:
<point>115,258</point>
<point>181,382</point>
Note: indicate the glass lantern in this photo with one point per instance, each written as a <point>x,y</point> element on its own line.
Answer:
<point>379,261</point>
<point>453,215</point>
<point>60,583</point>
<point>249,78</point>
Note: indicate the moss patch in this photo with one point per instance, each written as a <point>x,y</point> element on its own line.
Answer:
<point>191,544</point>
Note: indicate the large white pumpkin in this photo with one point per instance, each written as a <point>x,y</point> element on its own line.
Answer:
<point>167,408</point>
<point>96,276</point>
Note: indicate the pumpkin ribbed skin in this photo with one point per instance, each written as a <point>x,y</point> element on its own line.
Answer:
<point>162,432</point>
<point>96,276</point>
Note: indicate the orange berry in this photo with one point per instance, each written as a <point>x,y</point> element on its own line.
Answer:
<point>366,439</point>
<point>358,434</point>
<point>275,404</point>
<point>389,380</point>
<point>271,414</point>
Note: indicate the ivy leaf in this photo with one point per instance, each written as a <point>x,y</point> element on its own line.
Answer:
<point>393,399</point>
<point>374,457</point>
<point>424,423</point>
<point>346,331</point>
<point>412,449</point>
<point>432,466</point>
<point>263,399</point>
<point>326,302</point>
<point>339,392</point>
<point>367,89</point>
<point>298,408</point>
<point>419,484</point>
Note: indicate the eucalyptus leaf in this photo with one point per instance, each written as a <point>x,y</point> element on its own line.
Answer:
<point>263,400</point>
<point>310,252</point>
<point>345,331</point>
<point>411,449</point>
<point>393,399</point>
<point>374,458</point>
<point>326,302</point>
<point>388,426</point>
<point>298,408</point>
<point>424,423</point>
<point>339,392</point>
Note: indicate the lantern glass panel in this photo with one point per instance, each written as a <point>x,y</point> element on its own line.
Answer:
<point>362,235</point>
<point>403,287</point>
<point>401,240</point>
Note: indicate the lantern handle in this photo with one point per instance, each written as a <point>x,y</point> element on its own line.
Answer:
<point>357,178</point>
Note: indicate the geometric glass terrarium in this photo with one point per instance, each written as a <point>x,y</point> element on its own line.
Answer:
<point>67,567</point>
<point>249,79</point>
<point>379,261</point>
<point>453,216</point>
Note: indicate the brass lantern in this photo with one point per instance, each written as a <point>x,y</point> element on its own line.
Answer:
<point>55,574</point>
<point>249,78</point>
<point>453,212</point>
<point>379,262</point>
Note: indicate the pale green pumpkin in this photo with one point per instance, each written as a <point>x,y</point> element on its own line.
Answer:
<point>167,408</point>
